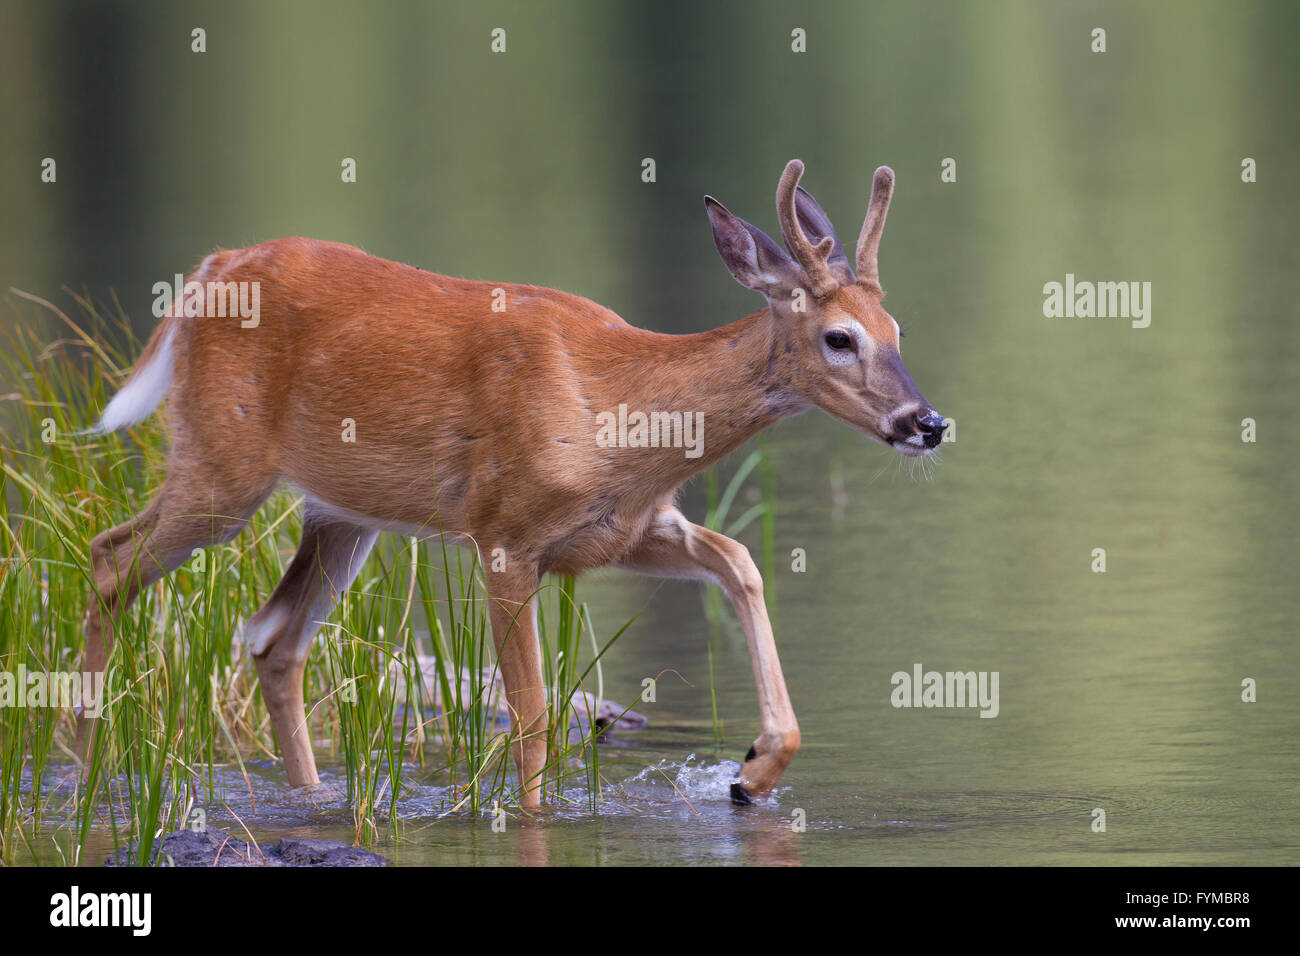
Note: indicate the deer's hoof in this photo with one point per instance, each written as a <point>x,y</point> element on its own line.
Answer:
<point>739,795</point>
<point>763,767</point>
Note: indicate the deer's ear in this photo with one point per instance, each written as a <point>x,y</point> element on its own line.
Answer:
<point>750,255</point>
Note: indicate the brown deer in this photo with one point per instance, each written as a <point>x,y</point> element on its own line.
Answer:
<point>475,409</point>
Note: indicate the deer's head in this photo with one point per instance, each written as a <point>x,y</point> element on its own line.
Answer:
<point>837,346</point>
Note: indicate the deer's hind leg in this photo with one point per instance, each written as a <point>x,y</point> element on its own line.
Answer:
<point>126,559</point>
<point>279,636</point>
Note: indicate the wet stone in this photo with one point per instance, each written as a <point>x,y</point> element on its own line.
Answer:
<point>214,847</point>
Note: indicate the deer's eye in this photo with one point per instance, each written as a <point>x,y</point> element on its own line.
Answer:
<point>840,341</point>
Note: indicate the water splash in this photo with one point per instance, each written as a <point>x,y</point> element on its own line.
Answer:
<point>671,779</point>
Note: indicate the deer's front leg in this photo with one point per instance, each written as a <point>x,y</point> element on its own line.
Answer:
<point>512,596</point>
<point>676,548</point>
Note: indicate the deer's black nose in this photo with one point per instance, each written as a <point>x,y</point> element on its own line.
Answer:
<point>930,427</point>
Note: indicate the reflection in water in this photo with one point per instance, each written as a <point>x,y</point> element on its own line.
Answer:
<point>773,845</point>
<point>531,844</point>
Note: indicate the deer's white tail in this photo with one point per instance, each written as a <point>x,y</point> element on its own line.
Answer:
<point>147,386</point>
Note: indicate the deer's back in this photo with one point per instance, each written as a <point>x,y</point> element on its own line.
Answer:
<point>380,389</point>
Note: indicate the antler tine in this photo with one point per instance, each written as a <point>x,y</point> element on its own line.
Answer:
<point>812,258</point>
<point>882,188</point>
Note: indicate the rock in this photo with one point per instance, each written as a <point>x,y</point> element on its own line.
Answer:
<point>325,853</point>
<point>215,847</point>
<point>607,715</point>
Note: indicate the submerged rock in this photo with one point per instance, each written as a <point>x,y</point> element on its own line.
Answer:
<point>584,708</point>
<point>214,847</point>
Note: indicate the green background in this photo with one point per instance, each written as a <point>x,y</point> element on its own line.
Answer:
<point>1118,690</point>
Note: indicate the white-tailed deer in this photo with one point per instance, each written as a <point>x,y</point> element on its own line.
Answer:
<point>476,409</point>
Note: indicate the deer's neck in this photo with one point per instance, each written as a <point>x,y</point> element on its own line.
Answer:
<point>734,381</point>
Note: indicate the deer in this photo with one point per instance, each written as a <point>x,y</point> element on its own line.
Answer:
<point>474,407</point>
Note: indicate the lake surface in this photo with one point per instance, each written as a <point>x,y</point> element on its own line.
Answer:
<point>1119,691</point>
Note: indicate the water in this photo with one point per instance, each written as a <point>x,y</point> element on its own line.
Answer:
<point>1119,691</point>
